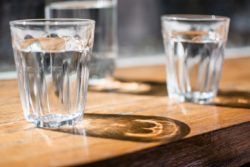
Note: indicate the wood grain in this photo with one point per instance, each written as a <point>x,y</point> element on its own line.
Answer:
<point>124,127</point>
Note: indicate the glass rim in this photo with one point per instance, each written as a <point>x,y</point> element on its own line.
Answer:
<point>193,17</point>
<point>53,21</point>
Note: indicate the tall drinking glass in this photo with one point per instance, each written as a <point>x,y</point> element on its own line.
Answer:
<point>103,12</point>
<point>51,59</point>
<point>194,46</point>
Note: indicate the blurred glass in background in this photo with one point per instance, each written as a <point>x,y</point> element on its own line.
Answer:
<point>102,62</point>
<point>139,30</point>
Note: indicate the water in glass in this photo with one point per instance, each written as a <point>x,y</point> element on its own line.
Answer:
<point>53,76</point>
<point>194,65</point>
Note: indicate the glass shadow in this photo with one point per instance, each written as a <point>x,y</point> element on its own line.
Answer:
<point>232,99</point>
<point>138,88</point>
<point>130,127</point>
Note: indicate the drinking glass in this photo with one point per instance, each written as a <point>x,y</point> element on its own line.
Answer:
<point>194,46</point>
<point>51,59</point>
<point>102,62</point>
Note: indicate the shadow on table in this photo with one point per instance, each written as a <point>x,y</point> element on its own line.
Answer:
<point>225,98</point>
<point>233,99</point>
<point>138,88</point>
<point>130,127</point>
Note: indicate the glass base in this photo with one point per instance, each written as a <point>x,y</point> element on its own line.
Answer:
<point>193,97</point>
<point>55,120</point>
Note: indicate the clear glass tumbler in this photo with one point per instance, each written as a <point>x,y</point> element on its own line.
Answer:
<point>51,59</point>
<point>102,62</point>
<point>194,46</point>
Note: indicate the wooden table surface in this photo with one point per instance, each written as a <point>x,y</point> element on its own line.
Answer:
<point>135,124</point>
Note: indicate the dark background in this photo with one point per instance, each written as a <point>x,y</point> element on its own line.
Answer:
<point>139,30</point>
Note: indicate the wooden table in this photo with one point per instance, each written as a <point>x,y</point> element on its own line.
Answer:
<point>137,125</point>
